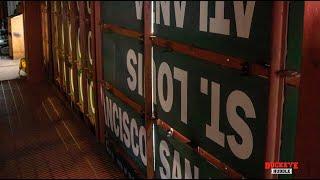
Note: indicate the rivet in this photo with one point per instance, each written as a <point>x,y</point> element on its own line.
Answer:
<point>170,132</point>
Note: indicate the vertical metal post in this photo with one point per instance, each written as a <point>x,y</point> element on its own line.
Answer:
<point>82,23</point>
<point>50,42</point>
<point>99,71</point>
<point>33,40</point>
<point>276,89</point>
<point>59,45</point>
<point>148,87</point>
<point>54,41</point>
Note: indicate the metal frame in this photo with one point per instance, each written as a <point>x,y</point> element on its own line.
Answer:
<point>148,87</point>
<point>73,21</point>
<point>46,41</point>
<point>277,82</point>
<point>200,151</point>
<point>135,106</point>
<point>206,55</point>
<point>274,73</point>
<point>99,71</point>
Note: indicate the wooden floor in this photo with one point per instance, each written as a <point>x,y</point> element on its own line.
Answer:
<point>40,138</point>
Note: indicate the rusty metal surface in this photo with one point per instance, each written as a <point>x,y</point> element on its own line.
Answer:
<point>276,90</point>
<point>149,121</point>
<point>40,138</point>
<point>216,58</point>
<point>99,72</point>
<point>135,106</point>
<point>307,147</point>
<point>212,159</point>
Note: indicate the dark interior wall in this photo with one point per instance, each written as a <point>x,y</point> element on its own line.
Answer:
<point>3,12</point>
<point>3,9</point>
<point>33,40</point>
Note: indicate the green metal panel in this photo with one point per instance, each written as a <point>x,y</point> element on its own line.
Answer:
<point>293,62</point>
<point>123,69</point>
<point>250,41</point>
<point>290,117</point>
<point>178,161</point>
<point>295,35</point>
<point>119,54</point>
<point>126,127</point>
<point>237,102</point>
<point>123,13</point>
<point>253,48</point>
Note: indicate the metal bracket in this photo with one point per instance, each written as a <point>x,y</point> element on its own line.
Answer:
<point>193,144</point>
<point>195,46</point>
<point>264,64</point>
<point>142,114</point>
<point>141,38</point>
<point>170,132</point>
<point>108,86</point>
<point>167,49</point>
<point>154,114</point>
<point>107,30</point>
<point>245,69</point>
<point>288,73</point>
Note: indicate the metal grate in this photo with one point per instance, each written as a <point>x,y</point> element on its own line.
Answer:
<point>39,138</point>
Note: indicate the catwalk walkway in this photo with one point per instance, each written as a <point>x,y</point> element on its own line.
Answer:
<point>40,138</point>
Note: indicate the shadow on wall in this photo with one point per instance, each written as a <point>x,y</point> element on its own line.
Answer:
<point>9,69</point>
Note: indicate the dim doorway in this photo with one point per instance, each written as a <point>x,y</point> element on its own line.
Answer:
<point>12,48</point>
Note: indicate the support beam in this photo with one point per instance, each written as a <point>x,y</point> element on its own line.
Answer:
<point>148,87</point>
<point>277,82</point>
<point>99,71</point>
<point>33,40</point>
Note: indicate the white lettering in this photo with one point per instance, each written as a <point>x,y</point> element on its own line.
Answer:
<point>164,152</point>
<point>142,144</point>
<point>125,120</point>
<point>109,109</point>
<point>139,5</point>
<point>218,24</point>
<point>176,167</point>
<point>154,80</point>
<point>235,99</point>
<point>131,59</point>
<point>114,116</point>
<point>203,16</point>
<point>134,132</point>
<point>179,10</point>
<point>182,76</point>
<point>188,171</point>
<point>166,103</point>
<point>212,131</point>
<point>120,124</point>
<point>165,8</point>
<point>243,18</point>
<point>140,70</point>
